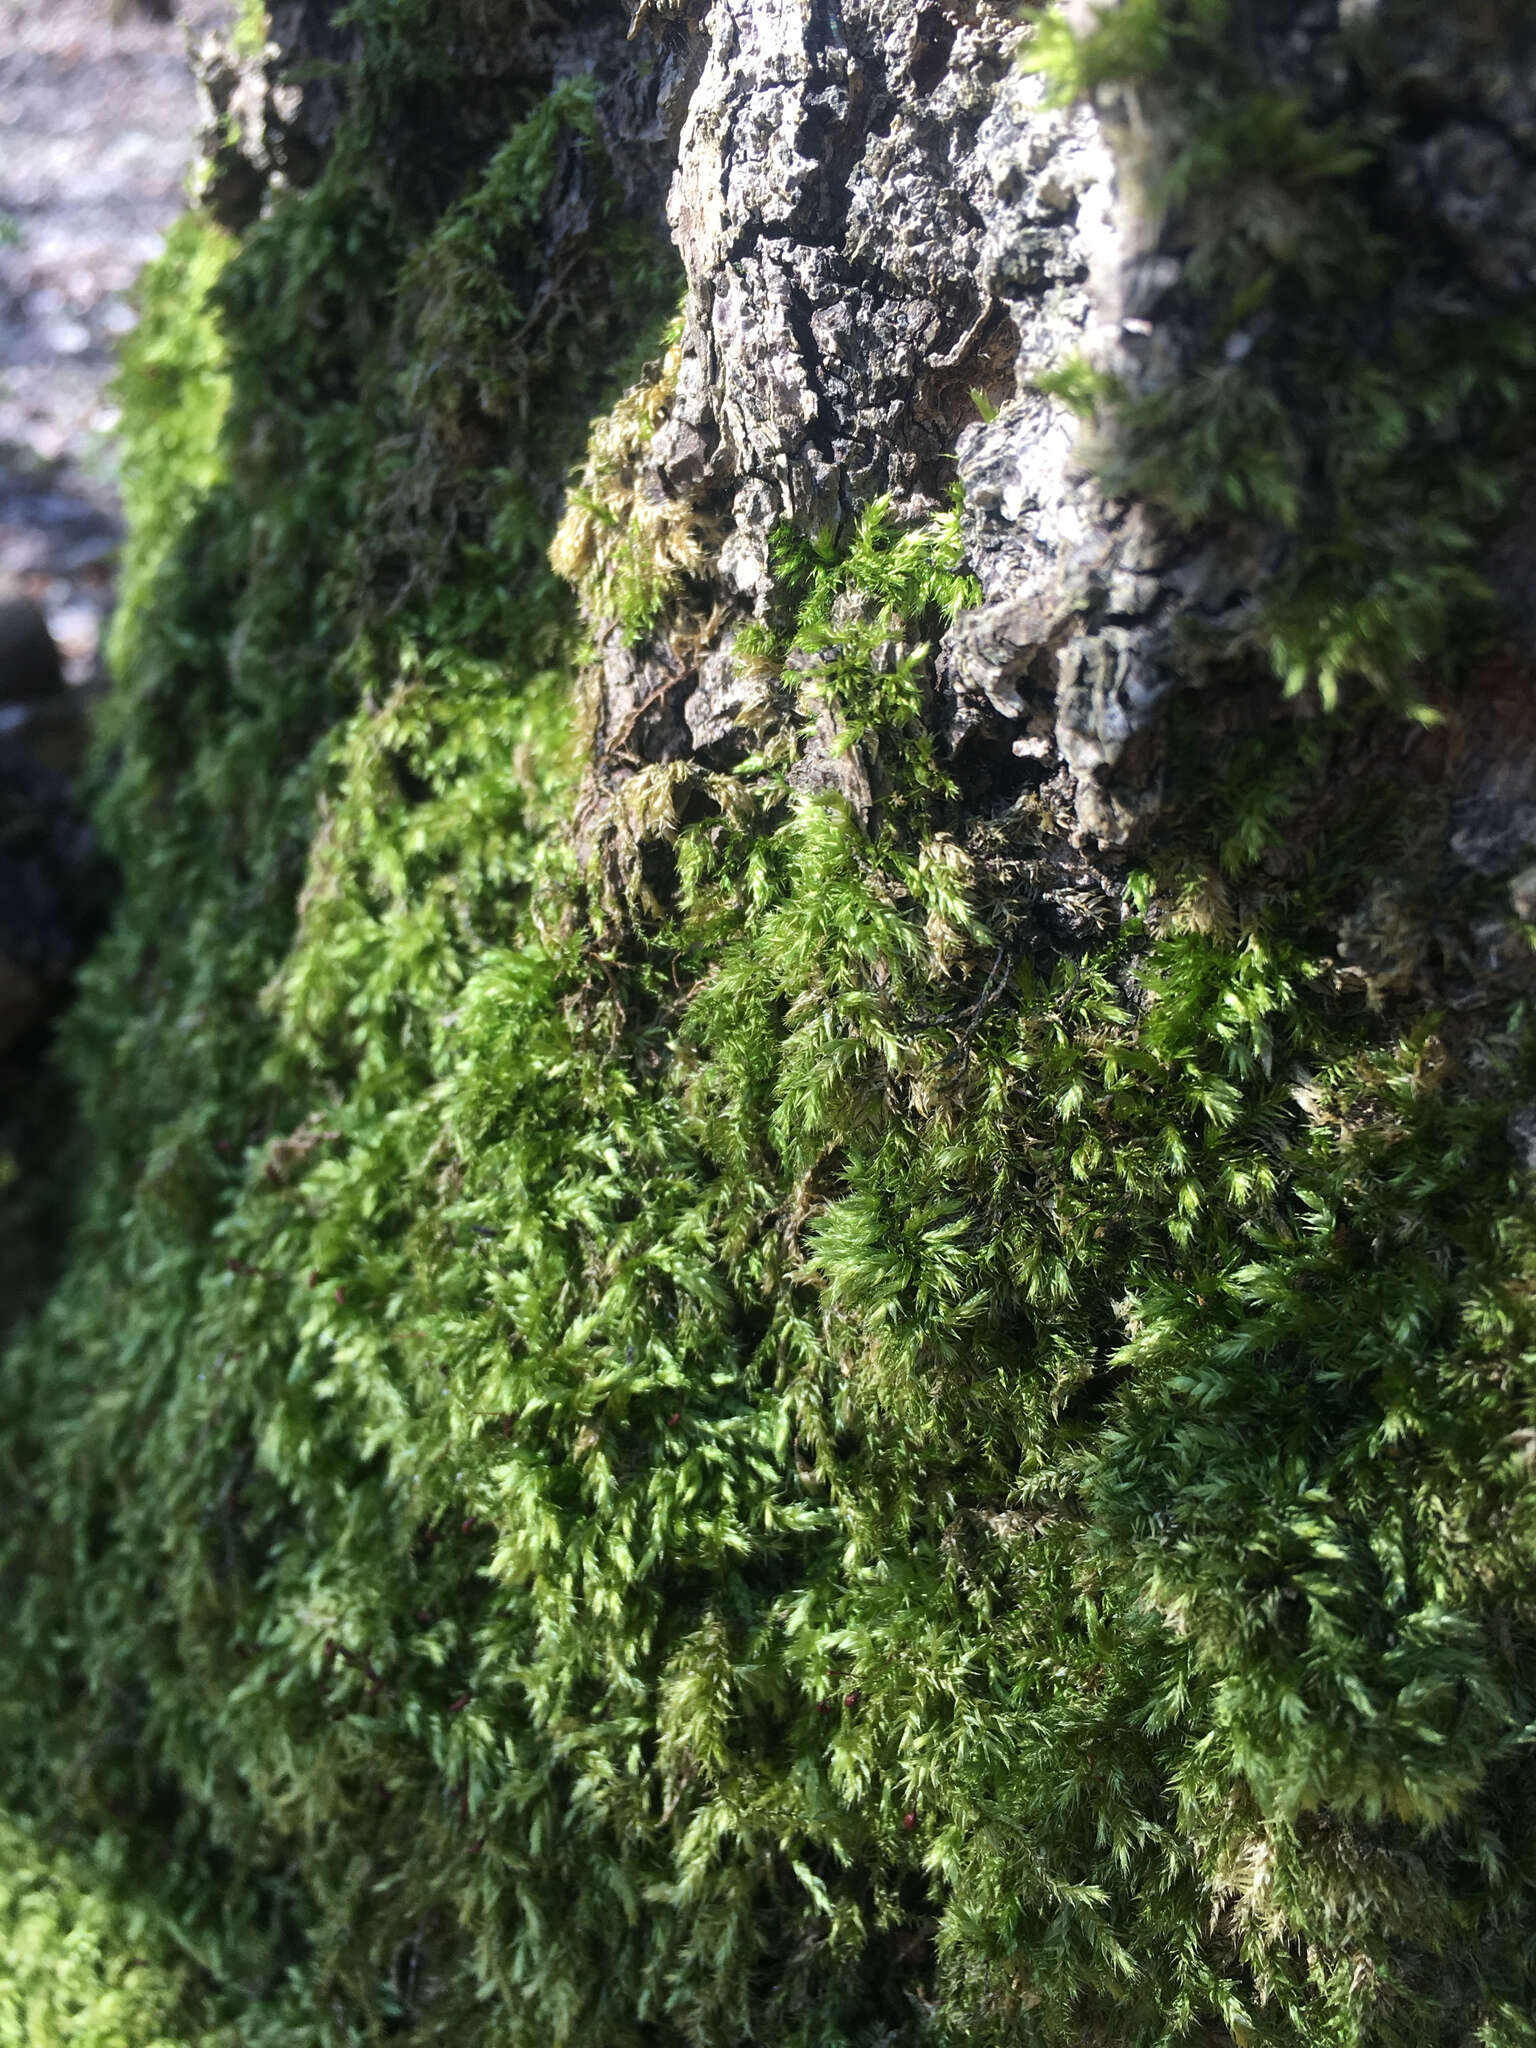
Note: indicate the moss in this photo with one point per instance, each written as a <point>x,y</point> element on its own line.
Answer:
<point>173,389</point>
<point>866,608</point>
<point>1337,388</point>
<point>251,633</point>
<point>70,1974</point>
<point>629,555</point>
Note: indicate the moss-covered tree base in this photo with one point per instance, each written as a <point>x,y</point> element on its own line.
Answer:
<point>722,1380</point>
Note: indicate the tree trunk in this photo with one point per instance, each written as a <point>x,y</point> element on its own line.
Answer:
<point>804,1312</point>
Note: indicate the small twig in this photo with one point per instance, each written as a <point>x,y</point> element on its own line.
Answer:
<point>611,747</point>
<point>967,1018</point>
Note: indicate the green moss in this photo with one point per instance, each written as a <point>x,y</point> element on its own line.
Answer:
<point>920,1441</point>
<point>1133,40</point>
<point>249,33</point>
<point>250,636</point>
<point>1338,392</point>
<point>866,607</point>
<point>69,1977</point>
<point>173,388</point>
<point>629,555</point>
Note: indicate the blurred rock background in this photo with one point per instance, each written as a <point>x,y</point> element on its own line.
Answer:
<point>98,120</point>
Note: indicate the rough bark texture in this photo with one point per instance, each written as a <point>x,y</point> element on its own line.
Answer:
<point>880,216</point>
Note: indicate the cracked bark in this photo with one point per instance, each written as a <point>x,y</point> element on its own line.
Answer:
<point>879,216</point>
<point>882,220</point>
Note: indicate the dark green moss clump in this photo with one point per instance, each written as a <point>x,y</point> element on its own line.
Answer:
<point>799,1442</point>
